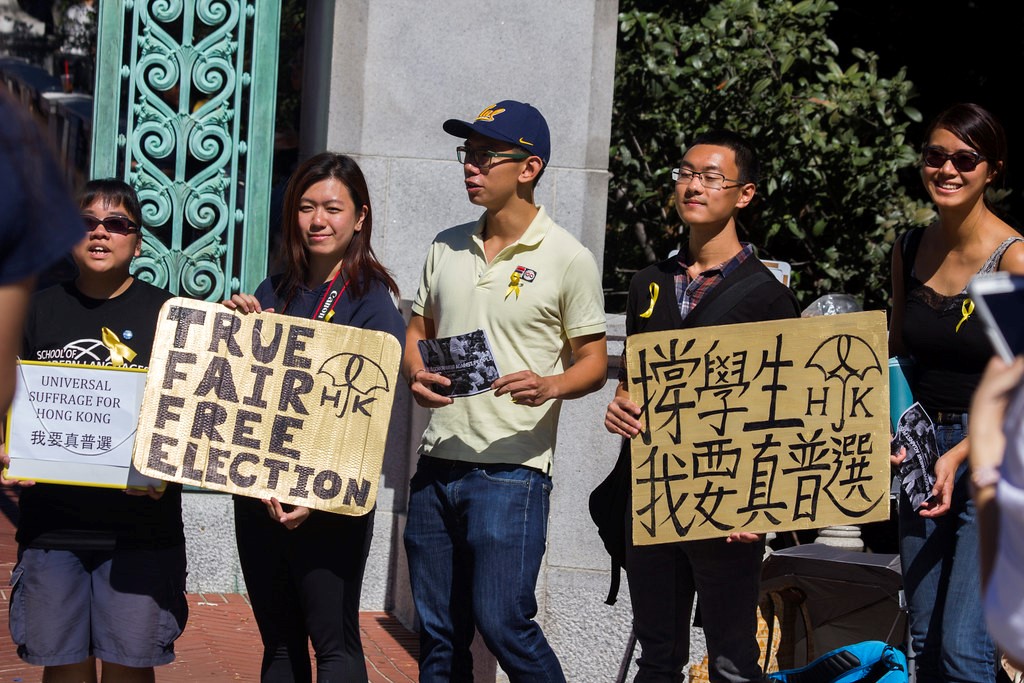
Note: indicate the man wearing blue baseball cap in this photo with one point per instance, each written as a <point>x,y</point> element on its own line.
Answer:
<point>478,505</point>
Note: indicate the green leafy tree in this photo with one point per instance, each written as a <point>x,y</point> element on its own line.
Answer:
<point>831,139</point>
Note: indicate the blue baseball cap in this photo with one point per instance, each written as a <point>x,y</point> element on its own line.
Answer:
<point>514,122</point>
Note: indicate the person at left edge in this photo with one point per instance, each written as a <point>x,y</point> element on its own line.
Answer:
<point>304,568</point>
<point>101,572</point>
<point>39,223</point>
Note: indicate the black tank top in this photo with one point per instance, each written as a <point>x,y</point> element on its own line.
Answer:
<point>948,345</point>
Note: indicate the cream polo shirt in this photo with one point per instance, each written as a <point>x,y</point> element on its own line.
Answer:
<point>559,298</point>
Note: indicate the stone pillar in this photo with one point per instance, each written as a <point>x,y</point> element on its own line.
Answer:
<point>385,75</point>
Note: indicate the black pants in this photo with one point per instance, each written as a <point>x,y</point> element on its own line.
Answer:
<point>663,580</point>
<point>304,585</point>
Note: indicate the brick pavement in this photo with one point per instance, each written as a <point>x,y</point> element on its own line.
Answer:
<point>221,642</point>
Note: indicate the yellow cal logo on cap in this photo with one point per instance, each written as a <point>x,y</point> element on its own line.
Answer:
<point>489,113</point>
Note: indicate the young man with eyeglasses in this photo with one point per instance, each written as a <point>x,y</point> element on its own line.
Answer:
<point>478,505</point>
<point>716,178</point>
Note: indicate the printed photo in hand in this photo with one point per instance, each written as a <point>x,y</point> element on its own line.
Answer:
<point>465,359</point>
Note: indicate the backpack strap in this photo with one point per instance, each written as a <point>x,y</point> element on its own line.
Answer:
<point>613,586</point>
<point>825,669</point>
<point>882,667</point>
<point>731,296</point>
<point>609,508</point>
<point>909,244</point>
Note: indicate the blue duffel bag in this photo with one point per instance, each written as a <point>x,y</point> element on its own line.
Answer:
<point>871,661</point>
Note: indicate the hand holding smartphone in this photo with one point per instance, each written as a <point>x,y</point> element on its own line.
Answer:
<point>999,300</point>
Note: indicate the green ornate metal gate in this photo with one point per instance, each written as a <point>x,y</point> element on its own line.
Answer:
<point>185,99</point>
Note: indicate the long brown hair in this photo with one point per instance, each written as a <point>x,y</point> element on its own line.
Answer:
<point>361,265</point>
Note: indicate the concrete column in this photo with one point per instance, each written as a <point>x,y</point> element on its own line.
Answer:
<point>381,78</point>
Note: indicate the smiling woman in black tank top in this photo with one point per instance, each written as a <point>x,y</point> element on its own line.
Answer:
<point>933,322</point>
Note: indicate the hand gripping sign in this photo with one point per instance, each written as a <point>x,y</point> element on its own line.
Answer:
<point>268,405</point>
<point>759,427</point>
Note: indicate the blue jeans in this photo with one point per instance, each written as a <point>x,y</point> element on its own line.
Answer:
<point>474,539</point>
<point>942,583</point>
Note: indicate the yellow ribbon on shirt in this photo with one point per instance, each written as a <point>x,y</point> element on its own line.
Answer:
<point>119,351</point>
<point>653,289</point>
<point>513,284</point>
<point>966,309</point>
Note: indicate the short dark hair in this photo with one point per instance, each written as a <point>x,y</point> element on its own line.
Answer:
<point>746,158</point>
<point>977,127</point>
<point>111,191</point>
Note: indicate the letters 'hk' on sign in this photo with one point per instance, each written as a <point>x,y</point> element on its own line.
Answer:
<point>268,405</point>
<point>760,427</point>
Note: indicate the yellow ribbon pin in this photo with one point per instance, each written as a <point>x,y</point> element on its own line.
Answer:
<point>966,309</point>
<point>653,289</point>
<point>119,351</point>
<point>513,284</point>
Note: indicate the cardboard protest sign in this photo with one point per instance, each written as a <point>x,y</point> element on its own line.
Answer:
<point>75,424</point>
<point>760,427</point>
<point>268,405</point>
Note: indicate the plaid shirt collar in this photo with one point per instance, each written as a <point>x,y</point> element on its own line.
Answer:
<point>689,292</point>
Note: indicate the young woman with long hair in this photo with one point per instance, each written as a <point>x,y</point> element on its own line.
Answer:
<point>304,568</point>
<point>933,322</point>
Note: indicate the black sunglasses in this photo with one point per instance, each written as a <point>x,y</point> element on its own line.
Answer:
<point>963,161</point>
<point>115,225</point>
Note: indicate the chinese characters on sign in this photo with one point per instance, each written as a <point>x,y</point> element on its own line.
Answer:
<point>75,424</point>
<point>760,427</point>
<point>268,405</point>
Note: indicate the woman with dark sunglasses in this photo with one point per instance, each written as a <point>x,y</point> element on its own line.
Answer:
<point>304,568</point>
<point>933,322</point>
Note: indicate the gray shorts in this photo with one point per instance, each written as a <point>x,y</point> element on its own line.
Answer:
<point>121,606</point>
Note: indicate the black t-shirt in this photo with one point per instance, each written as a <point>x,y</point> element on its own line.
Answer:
<point>944,337</point>
<point>65,326</point>
<point>949,351</point>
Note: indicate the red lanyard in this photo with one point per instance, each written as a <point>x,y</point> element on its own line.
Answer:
<point>325,309</point>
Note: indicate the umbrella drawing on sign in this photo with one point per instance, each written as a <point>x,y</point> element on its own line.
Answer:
<point>356,374</point>
<point>841,358</point>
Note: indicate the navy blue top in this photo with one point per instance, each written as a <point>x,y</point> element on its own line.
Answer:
<point>39,222</point>
<point>375,310</point>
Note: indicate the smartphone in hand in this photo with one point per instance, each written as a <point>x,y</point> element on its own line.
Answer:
<point>999,300</point>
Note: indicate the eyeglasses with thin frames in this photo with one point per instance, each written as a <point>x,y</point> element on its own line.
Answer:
<point>115,225</point>
<point>963,161</point>
<point>484,158</point>
<point>709,179</point>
